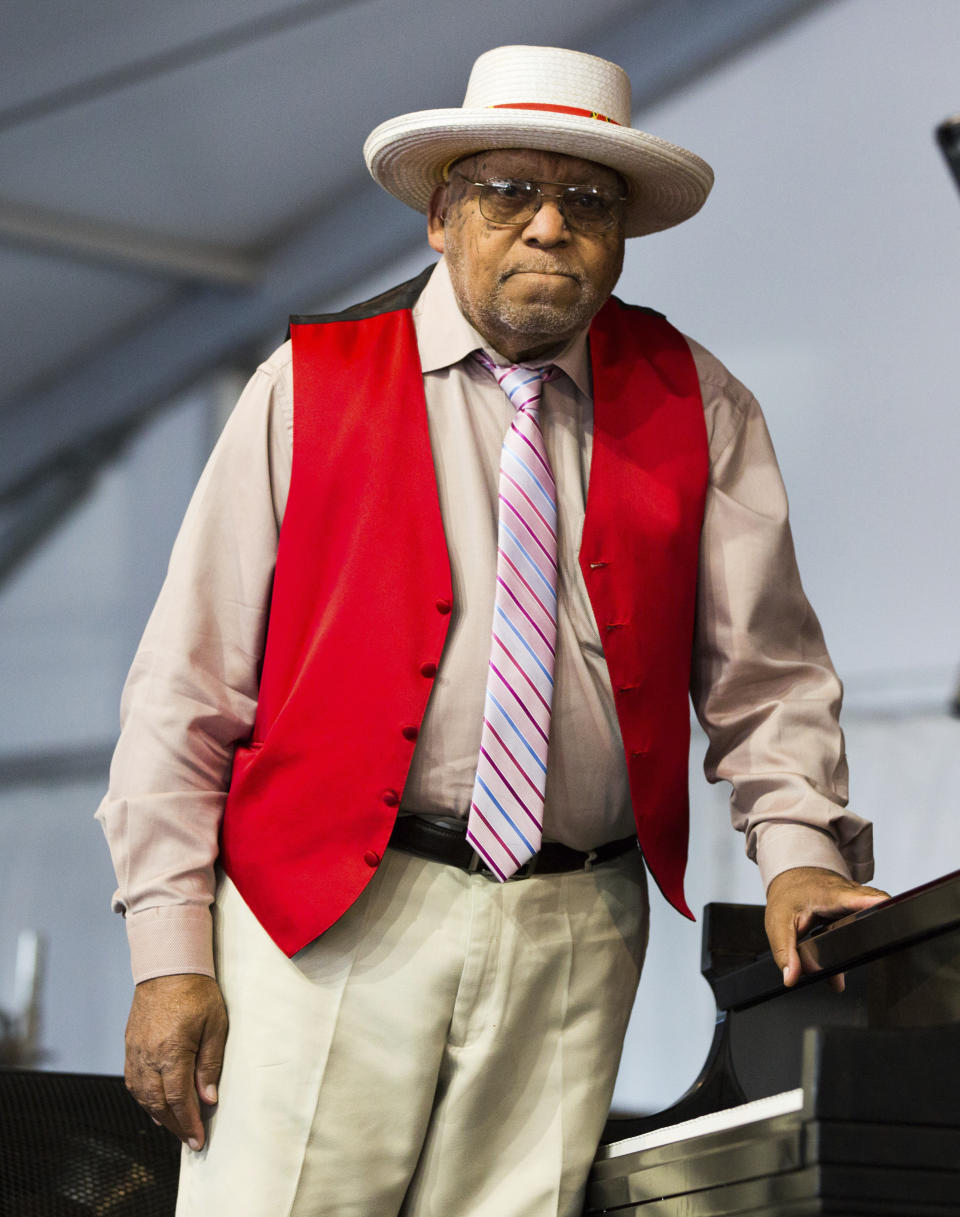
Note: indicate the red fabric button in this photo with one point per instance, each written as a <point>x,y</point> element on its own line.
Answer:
<point>371,858</point>
<point>390,797</point>
<point>410,731</point>
<point>444,606</point>
<point>428,669</point>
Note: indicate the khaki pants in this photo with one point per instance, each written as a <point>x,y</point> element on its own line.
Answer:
<point>447,1049</point>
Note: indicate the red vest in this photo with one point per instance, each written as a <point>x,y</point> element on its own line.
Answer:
<point>362,598</point>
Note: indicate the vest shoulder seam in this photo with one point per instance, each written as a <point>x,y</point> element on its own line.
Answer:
<point>641,308</point>
<point>394,299</point>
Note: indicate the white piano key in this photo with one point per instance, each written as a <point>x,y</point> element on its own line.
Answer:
<point>717,1121</point>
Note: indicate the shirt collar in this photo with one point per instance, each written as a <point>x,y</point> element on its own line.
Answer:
<point>445,336</point>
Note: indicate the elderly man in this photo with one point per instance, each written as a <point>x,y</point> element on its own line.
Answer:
<point>492,510</point>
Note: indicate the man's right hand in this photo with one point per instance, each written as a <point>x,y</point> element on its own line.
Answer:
<point>175,1037</point>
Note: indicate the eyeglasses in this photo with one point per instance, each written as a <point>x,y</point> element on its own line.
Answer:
<point>584,208</point>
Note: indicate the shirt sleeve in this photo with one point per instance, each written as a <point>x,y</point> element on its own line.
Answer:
<point>191,693</point>
<point>763,686</point>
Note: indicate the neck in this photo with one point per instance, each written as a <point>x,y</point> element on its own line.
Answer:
<point>527,355</point>
<point>520,348</point>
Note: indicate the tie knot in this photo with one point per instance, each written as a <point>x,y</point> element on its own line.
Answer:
<point>521,384</point>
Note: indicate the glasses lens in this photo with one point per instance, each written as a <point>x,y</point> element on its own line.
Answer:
<point>589,209</point>
<point>585,208</point>
<point>505,201</point>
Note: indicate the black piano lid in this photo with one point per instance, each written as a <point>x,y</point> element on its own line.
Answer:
<point>877,1127</point>
<point>909,918</point>
<point>902,960</point>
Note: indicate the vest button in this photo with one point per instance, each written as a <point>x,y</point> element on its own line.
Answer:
<point>444,606</point>
<point>428,669</point>
<point>390,797</point>
<point>410,731</point>
<point>371,858</point>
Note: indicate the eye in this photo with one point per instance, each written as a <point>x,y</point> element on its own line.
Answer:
<point>510,190</point>
<point>587,202</point>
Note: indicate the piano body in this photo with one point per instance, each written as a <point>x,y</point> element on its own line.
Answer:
<point>812,1102</point>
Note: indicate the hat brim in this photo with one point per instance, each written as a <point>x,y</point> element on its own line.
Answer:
<point>667,184</point>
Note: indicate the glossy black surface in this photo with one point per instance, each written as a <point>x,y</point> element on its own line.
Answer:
<point>879,1068</point>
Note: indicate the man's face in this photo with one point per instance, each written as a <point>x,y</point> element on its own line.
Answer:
<point>529,287</point>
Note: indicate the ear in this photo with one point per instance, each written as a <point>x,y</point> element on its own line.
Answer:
<point>435,218</point>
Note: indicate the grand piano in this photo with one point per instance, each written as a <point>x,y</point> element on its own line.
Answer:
<point>812,1102</point>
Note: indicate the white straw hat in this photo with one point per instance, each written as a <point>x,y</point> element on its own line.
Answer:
<point>550,99</point>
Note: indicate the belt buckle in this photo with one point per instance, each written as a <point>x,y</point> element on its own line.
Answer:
<point>526,870</point>
<point>477,866</point>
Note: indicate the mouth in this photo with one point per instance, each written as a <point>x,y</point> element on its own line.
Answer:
<point>545,272</point>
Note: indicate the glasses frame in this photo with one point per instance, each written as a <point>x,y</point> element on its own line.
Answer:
<point>563,190</point>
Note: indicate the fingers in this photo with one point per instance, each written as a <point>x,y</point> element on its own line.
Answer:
<point>162,1083</point>
<point>783,932</point>
<point>181,1113</point>
<point>209,1061</point>
<point>175,1040</point>
<point>786,920</point>
<point>795,898</point>
<point>789,963</point>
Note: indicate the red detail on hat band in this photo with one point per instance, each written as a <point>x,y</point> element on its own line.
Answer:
<point>539,105</point>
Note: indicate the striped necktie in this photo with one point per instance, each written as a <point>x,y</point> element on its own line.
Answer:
<point>506,812</point>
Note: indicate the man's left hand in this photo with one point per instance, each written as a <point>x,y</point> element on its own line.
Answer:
<point>796,897</point>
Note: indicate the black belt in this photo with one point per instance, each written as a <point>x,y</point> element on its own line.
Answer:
<point>445,843</point>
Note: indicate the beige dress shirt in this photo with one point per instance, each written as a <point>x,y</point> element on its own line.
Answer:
<point>763,686</point>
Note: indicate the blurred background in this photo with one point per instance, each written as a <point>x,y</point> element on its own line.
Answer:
<point>175,178</point>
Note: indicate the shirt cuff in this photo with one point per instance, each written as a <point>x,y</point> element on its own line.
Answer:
<point>785,846</point>
<point>170,940</point>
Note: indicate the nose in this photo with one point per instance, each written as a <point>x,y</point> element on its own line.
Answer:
<point>547,227</point>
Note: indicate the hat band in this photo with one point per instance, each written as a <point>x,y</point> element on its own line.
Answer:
<point>539,105</point>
